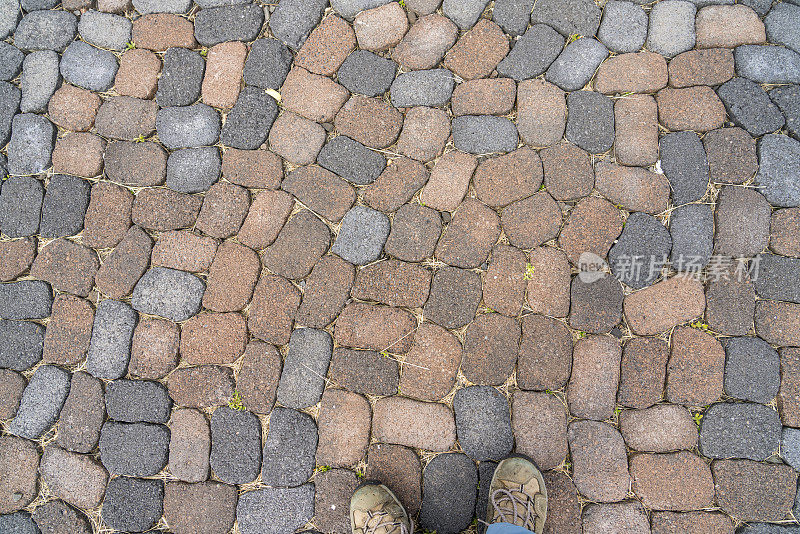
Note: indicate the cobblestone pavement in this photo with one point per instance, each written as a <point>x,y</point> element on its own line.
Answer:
<point>253,253</point>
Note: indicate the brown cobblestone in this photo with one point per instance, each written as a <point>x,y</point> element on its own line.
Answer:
<point>478,51</point>
<point>268,213</point>
<point>164,209</point>
<point>396,185</point>
<point>138,74</point>
<point>108,216</point>
<point>431,363</point>
<point>224,208</point>
<point>258,378</point>
<point>73,108</point>
<point>639,72</point>
<point>154,350</point>
<point>223,76</point>
<point>184,250</point>
<point>160,31</point>
<point>272,311</point>
<point>375,327</point>
<point>344,422</point>
<point>203,386</point>
<point>326,291</point>
<point>67,266</point>
<point>696,368</point>
<point>713,66</point>
<point>231,278</point>
<point>260,169</point>
<point>209,338</point>
<point>79,154</point>
<point>16,257</point>
<point>327,47</point>
<point>490,96</point>
<point>69,331</point>
<point>370,121</point>
<point>125,265</point>
<point>321,191</point>
<point>504,281</point>
<point>548,287</point>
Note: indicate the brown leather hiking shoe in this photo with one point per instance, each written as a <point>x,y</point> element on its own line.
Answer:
<point>374,509</point>
<point>517,495</point>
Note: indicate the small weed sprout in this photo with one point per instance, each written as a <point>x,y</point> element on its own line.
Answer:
<point>140,139</point>
<point>236,402</point>
<point>130,45</point>
<point>700,325</point>
<point>529,269</point>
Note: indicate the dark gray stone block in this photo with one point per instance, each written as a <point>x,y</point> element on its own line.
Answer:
<point>133,504</point>
<point>692,230</point>
<point>767,64</point>
<point>275,510</point>
<point>512,15</point>
<point>790,446</point>
<point>162,6</point>
<point>176,295</point>
<point>188,126</point>
<point>362,235</point>
<point>752,369</point>
<point>641,251</point>
<point>484,134</point>
<point>596,305</point>
<point>749,107</point>
<point>193,170</point>
<point>134,449</point>
<point>21,344</point>
<point>267,63</point>
<point>684,162</point>
<point>290,449</point>
<point>46,30</point>
<point>26,299</point>
<point>41,402</point>
<point>9,17</point>
<point>624,27</point>
<point>31,144</point>
<point>181,78</point>
<point>787,98</point>
<point>10,97</point>
<point>64,206</point>
<point>228,23</point>
<point>483,423</point>
<point>776,277</point>
<point>532,54</point>
<point>88,67</point>
<point>746,430</point>
<point>778,177</point>
<point>137,401</point>
<point>11,59</point>
<point>590,121</point>
<point>351,160</point>
<point>235,445</point>
<point>293,20</point>
<point>568,17</point>
<point>248,123</point>
<point>465,13</point>
<point>21,200</point>
<point>305,367</point>
<point>18,523</point>
<point>366,73</point>
<point>40,79</point>
<point>105,30</point>
<point>783,25</point>
<point>431,88</point>
<point>112,334</point>
<point>576,65</point>
<point>449,493</point>
<point>57,517</point>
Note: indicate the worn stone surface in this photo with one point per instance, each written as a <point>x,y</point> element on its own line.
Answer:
<point>754,491</point>
<point>599,461</point>
<point>235,445</point>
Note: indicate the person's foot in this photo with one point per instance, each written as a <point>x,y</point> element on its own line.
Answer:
<point>517,495</point>
<point>374,509</point>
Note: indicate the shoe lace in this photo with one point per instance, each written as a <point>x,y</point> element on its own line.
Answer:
<point>385,521</point>
<point>522,510</point>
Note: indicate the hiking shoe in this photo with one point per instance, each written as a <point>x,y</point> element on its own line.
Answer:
<point>517,495</point>
<point>374,509</point>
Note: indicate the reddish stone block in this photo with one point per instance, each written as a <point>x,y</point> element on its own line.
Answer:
<point>394,283</point>
<point>154,350</point>
<point>501,180</point>
<point>489,96</point>
<point>67,266</point>
<point>676,481</point>
<point>713,66</point>
<point>422,425</point>
<point>73,108</point>
<point>633,188</point>
<point>661,306</point>
<point>125,265</point>
<point>302,241</point>
<point>693,108</point>
<point>396,185</point>
<point>108,216</point>
<point>231,278</point>
<point>326,291</point>
<point>504,281</point>
<point>213,338</point>
<point>644,369</point>
<point>16,257</point>
<point>312,96</point>
<point>531,222</point>
<point>478,51</point>
<point>568,173</point>
<point>184,250</point>
<point>259,169</point>
<point>449,181</point>
<point>265,219</point>
<point>381,28</point>
<point>79,154</point>
<point>425,133</point>
<point>204,386</point>
<point>375,327</point>
<point>320,190</point>
<point>469,237</point>
<point>431,365</point>
<point>327,46</point>
<point>69,331</point>
<point>344,421</point>
<point>696,368</point>
<point>548,282</point>
<point>163,209</point>
<point>640,72</point>
<point>545,354</point>
<point>592,226</point>
<point>257,381</point>
<point>224,208</point>
<point>399,468</point>
<point>223,76</point>
<point>539,421</point>
<point>490,351</point>
<point>272,312</point>
<point>138,74</point>
<point>160,31</point>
